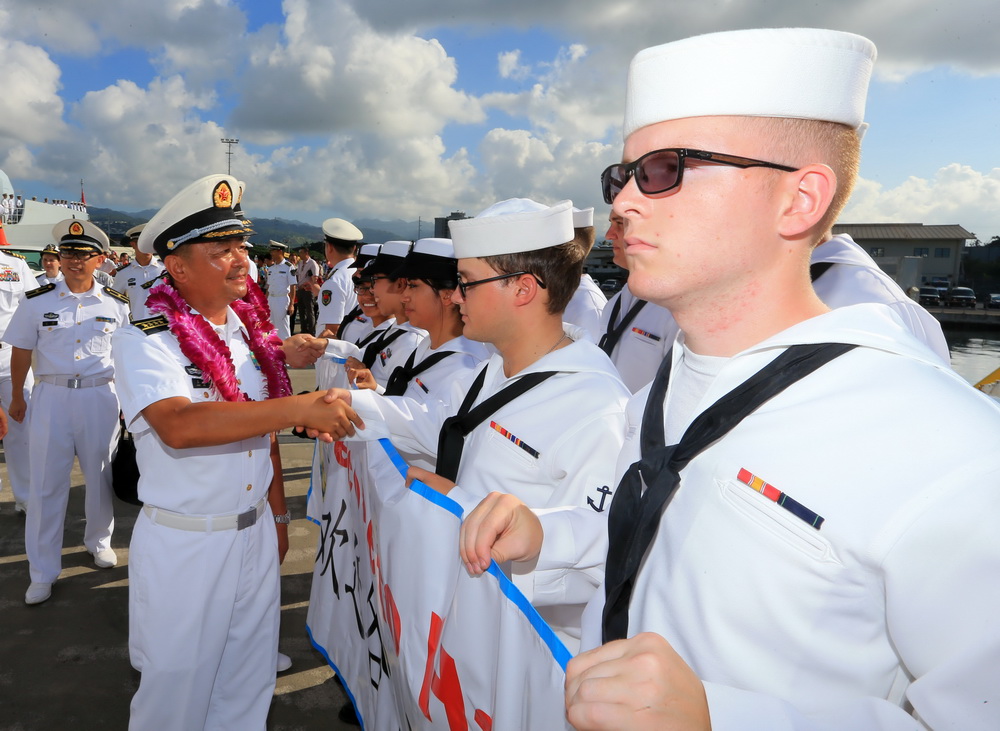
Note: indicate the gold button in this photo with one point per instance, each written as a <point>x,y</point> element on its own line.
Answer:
<point>249,488</point>
<point>205,394</point>
<point>78,357</point>
<point>250,453</point>
<point>78,341</point>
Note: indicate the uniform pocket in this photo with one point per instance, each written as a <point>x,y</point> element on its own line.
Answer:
<point>101,331</point>
<point>775,520</point>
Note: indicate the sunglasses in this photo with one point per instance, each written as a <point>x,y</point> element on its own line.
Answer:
<point>463,287</point>
<point>662,170</point>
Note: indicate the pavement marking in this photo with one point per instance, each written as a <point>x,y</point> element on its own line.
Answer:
<point>294,682</point>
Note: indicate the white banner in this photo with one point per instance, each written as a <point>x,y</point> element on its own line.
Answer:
<point>418,643</point>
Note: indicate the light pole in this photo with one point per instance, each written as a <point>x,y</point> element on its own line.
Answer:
<point>229,152</point>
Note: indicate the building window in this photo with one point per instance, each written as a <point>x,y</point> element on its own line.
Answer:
<point>942,253</point>
<point>920,251</point>
<point>878,251</point>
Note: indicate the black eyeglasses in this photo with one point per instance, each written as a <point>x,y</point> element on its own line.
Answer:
<point>662,170</point>
<point>463,287</point>
<point>78,255</point>
<point>362,290</point>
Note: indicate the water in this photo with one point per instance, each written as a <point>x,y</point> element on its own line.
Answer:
<point>974,355</point>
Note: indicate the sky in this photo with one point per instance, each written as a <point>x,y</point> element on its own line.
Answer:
<point>399,109</point>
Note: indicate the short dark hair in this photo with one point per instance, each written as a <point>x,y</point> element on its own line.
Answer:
<point>342,245</point>
<point>559,268</point>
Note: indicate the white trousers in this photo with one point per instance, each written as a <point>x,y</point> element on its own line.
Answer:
<point>64,422</point>
<point>279,315</point>
<point>15,444</point>
<point>203,626</point>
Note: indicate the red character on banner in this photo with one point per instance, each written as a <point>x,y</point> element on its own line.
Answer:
<point>444,683</point>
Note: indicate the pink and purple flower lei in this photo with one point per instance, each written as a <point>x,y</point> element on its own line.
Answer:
<point>205,349</point>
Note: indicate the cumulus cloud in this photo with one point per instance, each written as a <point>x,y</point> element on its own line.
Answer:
<point>510,67</point>
<point>331,73</point>
<point>911,34</point>
<point>956,194</point>
<point>33,109</point>
<point>355,109</point>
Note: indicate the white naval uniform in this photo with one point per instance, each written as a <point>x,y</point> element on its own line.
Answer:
<point>203,604</point>
<point>73,411</point>
<point>437,382</point>
<point>553,447</point>
<point>644,343</point>
<point>356,329</point>
<point>16,278</point>
<point>280,277</point>
<point>336,296</point>
<point>585,307</point>
<point>888,603</point>
<point>395,353</point>
<point>44,279</point>
<point>129,279</point>
<point>856,278</point>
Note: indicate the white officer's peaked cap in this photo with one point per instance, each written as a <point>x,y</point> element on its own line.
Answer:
<point>207,209</point>
<point>73,233</point>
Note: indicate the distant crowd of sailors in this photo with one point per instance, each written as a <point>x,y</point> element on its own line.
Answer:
<point>12,207</point>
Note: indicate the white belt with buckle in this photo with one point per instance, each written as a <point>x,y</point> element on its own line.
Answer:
<point>206,523</point>
<point>68,382</point>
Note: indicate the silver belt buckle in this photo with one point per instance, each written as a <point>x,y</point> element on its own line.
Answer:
<point>74,382</point>
<point>247,519</point>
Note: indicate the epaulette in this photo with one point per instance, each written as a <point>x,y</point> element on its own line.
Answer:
<point>120,296</point>
<point>14,253</point>
<point>152,324</point>
<point>154,280</point>
<point>41,290</point>
<point>123,266</point>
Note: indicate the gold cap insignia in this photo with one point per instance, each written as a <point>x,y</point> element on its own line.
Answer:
<point>76,228</point>
<point>222,196</point>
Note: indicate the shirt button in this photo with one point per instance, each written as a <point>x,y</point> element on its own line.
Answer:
<point>205,394</point>
<point>250,453</point>
<point>78,341</point>
<point>249,488</point>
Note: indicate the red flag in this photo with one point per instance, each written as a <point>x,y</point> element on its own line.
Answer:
<point>83,197</point>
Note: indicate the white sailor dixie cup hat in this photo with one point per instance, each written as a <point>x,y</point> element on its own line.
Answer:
<point>798,73</point>
<point>429,258</point>
<point>366,253</point>
<point>80,236</point>
<point>207,209</point>
<point>389,257</point>
<point>583,217</point>
<point>511,227</point>
<point>277,245</point>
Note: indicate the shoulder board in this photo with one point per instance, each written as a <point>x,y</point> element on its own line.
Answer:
<point>120,296</point>
<point>40,290</point>
<point>123,266</point>
<point>14,253</point>
<point>153,281</point>
<point>152,324</point>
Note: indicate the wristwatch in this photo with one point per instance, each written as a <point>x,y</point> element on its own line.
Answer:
<point>285,518</point>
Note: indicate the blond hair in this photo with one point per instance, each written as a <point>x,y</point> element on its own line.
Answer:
<point>801,142</point>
